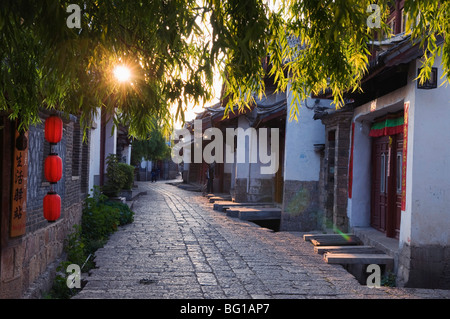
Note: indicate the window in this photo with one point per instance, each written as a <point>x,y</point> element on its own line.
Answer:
<point>403,22</point>
<point>391,24</point>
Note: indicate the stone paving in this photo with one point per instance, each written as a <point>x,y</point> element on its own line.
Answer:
<point>179,247</point>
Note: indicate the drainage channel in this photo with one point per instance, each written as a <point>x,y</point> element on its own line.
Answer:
<point>273,224</point>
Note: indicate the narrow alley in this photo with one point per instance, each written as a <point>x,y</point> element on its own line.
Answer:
<point>179,247</point>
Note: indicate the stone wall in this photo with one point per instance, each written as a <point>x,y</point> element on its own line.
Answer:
<point>259,190</point>
<point>336,162</point>
<point>25,258</point>
<point>226,182</point>
<point>301,211</point>
<point>424,267</point>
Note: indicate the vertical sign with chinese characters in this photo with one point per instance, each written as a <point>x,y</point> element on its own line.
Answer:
<point>19,189</point>
<point>405,149</point>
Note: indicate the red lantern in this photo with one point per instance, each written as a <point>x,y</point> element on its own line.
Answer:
<point>52,206</point>
<point>53,168</point>
<point>53,129</point>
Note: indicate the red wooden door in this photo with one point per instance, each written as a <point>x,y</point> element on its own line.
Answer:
<point>380,153</point>
<point>386,184</point>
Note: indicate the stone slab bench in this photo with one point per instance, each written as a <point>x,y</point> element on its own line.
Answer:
<point>363,259</point>
<point>332,239</point>
<point>222,205</point>
<point>357,249</point>
<point>213,199</point>
<point>263,213</point>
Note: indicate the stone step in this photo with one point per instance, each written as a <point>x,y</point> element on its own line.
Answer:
<point>333,239</point>
<point>365,259</point>
<point>222,205</point>
<point>263,213</point>
<point>189,187</point>
<point>233,211</point>
<point>349,241</point>
<point>309,237</point>
<point>214,199</point>
<point>357,249</point>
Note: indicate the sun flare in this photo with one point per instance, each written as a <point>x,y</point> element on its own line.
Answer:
<point>122,73</point>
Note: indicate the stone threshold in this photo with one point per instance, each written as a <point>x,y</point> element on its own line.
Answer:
<point>372,237</point>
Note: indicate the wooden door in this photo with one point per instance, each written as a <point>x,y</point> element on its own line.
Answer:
<point>380,154</point>
<point>386,184</point>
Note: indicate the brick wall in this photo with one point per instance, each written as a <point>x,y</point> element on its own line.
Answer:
<point>335,193</point>
<point>25,258</point>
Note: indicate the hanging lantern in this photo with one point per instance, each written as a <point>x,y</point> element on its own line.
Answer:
<point>52,206</point>
<point>53,129</point>
<point>53,168</point>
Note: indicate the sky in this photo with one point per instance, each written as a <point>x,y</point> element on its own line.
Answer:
<point>192,109</point>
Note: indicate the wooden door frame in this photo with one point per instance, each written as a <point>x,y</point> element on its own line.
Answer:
<point>391,189</point>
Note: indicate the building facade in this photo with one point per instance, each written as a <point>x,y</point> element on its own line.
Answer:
<point>396,171</point>
<point>29,244</point>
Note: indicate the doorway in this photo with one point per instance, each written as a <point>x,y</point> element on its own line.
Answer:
<point>386,186</point>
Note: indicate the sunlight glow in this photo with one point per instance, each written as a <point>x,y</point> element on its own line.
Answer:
<point>122,73</point>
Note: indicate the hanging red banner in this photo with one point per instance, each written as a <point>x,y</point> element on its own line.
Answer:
<point>404,155</point>
<point>19,186</point>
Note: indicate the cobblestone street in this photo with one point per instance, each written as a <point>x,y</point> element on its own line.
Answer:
<point>179,247</point>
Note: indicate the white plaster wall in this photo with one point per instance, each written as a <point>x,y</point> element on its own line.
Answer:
<point>301,162</point>
<point>429,165</point>
<point>126,154</point>
<point>243,169</point>
<point>129,155</point>
<point>426,219</point>
<point>94,154</point>
<point>406,220</point>
<point>110,140</point>
<point>359,208</point>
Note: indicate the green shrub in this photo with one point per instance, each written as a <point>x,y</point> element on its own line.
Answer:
<point>126,214</point>
<point>100,218</point>
<point>59,289</point>
<point>119,176</point>
<point>127,171</point>
<point>389,279</point>
<point>75,248</point>
<point>114,176</point>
